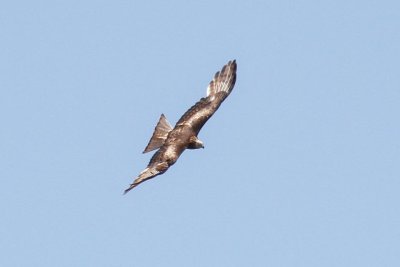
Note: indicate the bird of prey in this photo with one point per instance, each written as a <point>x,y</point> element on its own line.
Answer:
<point>172,141</point>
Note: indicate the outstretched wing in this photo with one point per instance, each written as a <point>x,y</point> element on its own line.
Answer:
<point>218,89</point>
<point>148,173</point>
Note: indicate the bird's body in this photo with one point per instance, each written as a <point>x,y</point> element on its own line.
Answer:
<point>171,142</point>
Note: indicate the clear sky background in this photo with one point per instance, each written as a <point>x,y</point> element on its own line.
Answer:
<point>302,161</point>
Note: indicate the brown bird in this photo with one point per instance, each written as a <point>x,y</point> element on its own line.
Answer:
<point>171,142</point>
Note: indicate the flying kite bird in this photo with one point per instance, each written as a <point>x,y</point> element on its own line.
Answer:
<point>171,142</point>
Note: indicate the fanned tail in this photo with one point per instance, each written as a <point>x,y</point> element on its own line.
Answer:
<point>159,135</point>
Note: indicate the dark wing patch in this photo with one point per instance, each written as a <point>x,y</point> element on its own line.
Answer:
<point>159,135</point>
<point>218,89</point>
<point>197,115</point>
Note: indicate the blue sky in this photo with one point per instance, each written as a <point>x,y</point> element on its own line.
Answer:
<point>301,165</point>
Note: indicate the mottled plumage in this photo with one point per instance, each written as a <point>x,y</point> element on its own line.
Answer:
<point>171,142</point>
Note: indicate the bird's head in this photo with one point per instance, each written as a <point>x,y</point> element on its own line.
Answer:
<point>195,143</point>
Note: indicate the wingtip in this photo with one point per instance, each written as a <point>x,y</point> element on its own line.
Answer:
<point>232,63</point>
<point>126,191</point>
<point>129,189</point>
